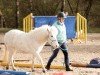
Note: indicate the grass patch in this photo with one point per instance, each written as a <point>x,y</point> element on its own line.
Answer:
<point>4,30</point>
<point>93,30</point>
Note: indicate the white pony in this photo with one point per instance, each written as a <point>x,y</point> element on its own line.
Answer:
<point>32,42</point>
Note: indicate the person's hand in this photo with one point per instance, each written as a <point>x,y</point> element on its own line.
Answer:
<point>66,13</point>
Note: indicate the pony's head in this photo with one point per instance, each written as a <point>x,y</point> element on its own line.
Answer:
<point>52,39</point>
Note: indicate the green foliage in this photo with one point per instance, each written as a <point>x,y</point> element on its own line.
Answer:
<point>4,30</point>
<point>88,8</point>
<point>93,29</point>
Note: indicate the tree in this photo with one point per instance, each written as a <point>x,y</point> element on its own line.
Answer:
<point>63,6</point>
<point>14,18</point>
<point>17,13</point>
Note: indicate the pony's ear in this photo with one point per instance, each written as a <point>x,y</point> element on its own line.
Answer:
<point>48,30</point>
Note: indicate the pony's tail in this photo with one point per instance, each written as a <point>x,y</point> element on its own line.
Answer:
<point>5,55</point>
<point>2,44</point>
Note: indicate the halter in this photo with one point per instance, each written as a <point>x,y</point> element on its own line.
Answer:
<point>51,40</point>
<point>51,44</point>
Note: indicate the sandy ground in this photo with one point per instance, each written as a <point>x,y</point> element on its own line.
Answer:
<point>78,52</point>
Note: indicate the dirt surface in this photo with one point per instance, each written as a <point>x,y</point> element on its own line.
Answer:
<point>78,52</point>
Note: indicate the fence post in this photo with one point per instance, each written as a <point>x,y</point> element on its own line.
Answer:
<point>81,28</point>
<point>28,23</point>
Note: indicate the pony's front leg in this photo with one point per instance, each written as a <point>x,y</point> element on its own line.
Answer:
<point>10,57</point>
<point>38,55</point>
<point>33,58</point>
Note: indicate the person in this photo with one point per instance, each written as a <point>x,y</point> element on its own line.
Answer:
<point>61,37</point>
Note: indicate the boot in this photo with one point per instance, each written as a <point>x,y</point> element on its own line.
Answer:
<point>47,67</point>
<point>68,69</point>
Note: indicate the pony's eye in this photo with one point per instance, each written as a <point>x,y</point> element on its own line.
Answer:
<point>51,36</point>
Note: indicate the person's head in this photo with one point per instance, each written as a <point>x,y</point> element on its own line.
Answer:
<point>61,17</point>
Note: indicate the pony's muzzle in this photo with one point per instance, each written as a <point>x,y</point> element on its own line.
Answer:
<point>56,46</point>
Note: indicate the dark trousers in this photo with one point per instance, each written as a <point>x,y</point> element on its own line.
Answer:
<point>55,52</point>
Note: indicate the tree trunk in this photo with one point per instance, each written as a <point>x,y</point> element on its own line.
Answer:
<point>90,2</point>
<point>77,6</point>
<point>70,7</point>
<point>31,8</point>
<point>17,13</point>
<point>63,6</point>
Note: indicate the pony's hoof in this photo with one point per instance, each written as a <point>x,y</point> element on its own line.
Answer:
<point>44,71</point>
<point>14,69</point>
<point>7,67</point>
<point>33,70</point>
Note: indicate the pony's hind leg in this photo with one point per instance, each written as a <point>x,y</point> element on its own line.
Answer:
<point>6,57</point>
<point>10,58</point>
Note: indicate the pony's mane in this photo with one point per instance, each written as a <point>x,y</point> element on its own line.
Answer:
<point>43,27</point>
